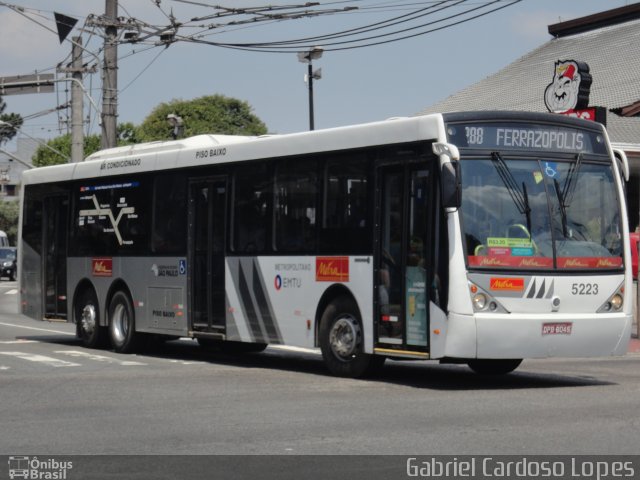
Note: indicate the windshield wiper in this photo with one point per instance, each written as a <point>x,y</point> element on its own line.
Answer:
<point>569,187</point>
<point>563,209</point>
<point>565,195</point>
<point>519,197</point>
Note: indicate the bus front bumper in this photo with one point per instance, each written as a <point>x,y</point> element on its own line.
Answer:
<point>537,336</point>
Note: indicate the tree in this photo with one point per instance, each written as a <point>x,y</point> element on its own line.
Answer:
<point>7,132</point>
<point>214,114</point>
<point>47,156</point>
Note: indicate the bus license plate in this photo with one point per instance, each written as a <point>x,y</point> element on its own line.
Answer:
<point>562,328</point>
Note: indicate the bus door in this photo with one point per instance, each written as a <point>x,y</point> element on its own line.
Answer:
<point>55,219</point>
<point>207,225</point>
<point>402,257</point>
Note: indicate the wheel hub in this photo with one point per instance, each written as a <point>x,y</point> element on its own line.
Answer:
<point>88,319</point>
<point>344,337</point>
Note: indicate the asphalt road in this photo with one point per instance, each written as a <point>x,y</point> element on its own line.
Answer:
<point>58,398</point>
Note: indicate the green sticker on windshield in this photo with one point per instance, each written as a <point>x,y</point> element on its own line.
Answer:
<point>509,242</point>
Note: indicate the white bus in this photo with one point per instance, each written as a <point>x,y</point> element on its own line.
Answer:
<point>479,238</point>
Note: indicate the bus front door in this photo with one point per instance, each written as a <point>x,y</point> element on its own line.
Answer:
<point>55,217</point>
<point>402,259</point>
<point>207,224</point>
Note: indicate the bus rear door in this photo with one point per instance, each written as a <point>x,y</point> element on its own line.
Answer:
<point>55,220</point>
<point>207,233</point>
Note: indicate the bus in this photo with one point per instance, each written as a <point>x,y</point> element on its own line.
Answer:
<point>478,238</point>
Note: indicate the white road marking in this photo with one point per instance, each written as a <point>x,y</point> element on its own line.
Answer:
<point>19,341</point>
<point>38,329</point>
<point>52,362</point>
<point>97,358</point>
<point>11,292</point>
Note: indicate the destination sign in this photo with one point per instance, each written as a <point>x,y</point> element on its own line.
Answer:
<point>526,136</point>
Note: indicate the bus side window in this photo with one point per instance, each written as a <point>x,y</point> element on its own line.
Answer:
<point>251,209</point>
<point>169,220</point>
<point>346,212</point>
<point>295,207</point>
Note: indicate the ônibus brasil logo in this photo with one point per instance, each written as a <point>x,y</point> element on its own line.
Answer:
<point>35,468</point>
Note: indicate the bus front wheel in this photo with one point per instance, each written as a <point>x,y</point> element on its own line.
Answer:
<point>122,327</point>
<point>342,341</point>
<point>494,366</point>
<point>87,317</point>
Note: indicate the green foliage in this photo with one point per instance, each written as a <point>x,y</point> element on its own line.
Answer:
<point>215,114</point>
<point>45,156</point>
<point>7,132</point>
<point>9,220</point>
<point>208,114</point>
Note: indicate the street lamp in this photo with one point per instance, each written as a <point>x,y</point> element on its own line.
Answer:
<point>177,123</point>
<point>308,57</point>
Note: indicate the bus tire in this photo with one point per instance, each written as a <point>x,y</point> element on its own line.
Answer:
<point>87,318</point>
<point>122,325</point>
<point>494,366</point>
<point>342,341</point>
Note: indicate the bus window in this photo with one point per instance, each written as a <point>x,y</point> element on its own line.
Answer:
<point>295,207</point>
<point>169,203</point>
<point>252,193</point>
<point>346,215</point>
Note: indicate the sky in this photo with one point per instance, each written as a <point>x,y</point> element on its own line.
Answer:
<point>357,86</point>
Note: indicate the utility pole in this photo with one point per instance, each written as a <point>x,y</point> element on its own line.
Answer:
<point>110,76</point>
<point>77,106</point>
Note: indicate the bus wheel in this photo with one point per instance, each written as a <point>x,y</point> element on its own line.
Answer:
<point>87,317</point>
<point>122,328</point>
<point>494,367</point>
<point>342,342</point>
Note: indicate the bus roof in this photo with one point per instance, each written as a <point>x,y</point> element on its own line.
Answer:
<point>211,149</point>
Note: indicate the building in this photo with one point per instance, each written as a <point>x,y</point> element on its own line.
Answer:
<point>609,43</point>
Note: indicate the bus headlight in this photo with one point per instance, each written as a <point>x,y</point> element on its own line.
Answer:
<point>616,302</point>
<point>479,301</point>
<point>483,301</point>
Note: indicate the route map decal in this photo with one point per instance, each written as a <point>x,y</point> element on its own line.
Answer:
<point>102,213</point>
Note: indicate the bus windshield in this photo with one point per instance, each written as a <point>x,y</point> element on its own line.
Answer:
<point>540,214</point>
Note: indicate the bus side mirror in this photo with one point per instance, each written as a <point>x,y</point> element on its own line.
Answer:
<point>450,187</point>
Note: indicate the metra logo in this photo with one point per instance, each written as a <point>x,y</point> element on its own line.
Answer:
<point>576,263</point>
<point>102,267</point>
<point>513,284</point>
<point>606,262</point>
<point>332,269</point>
